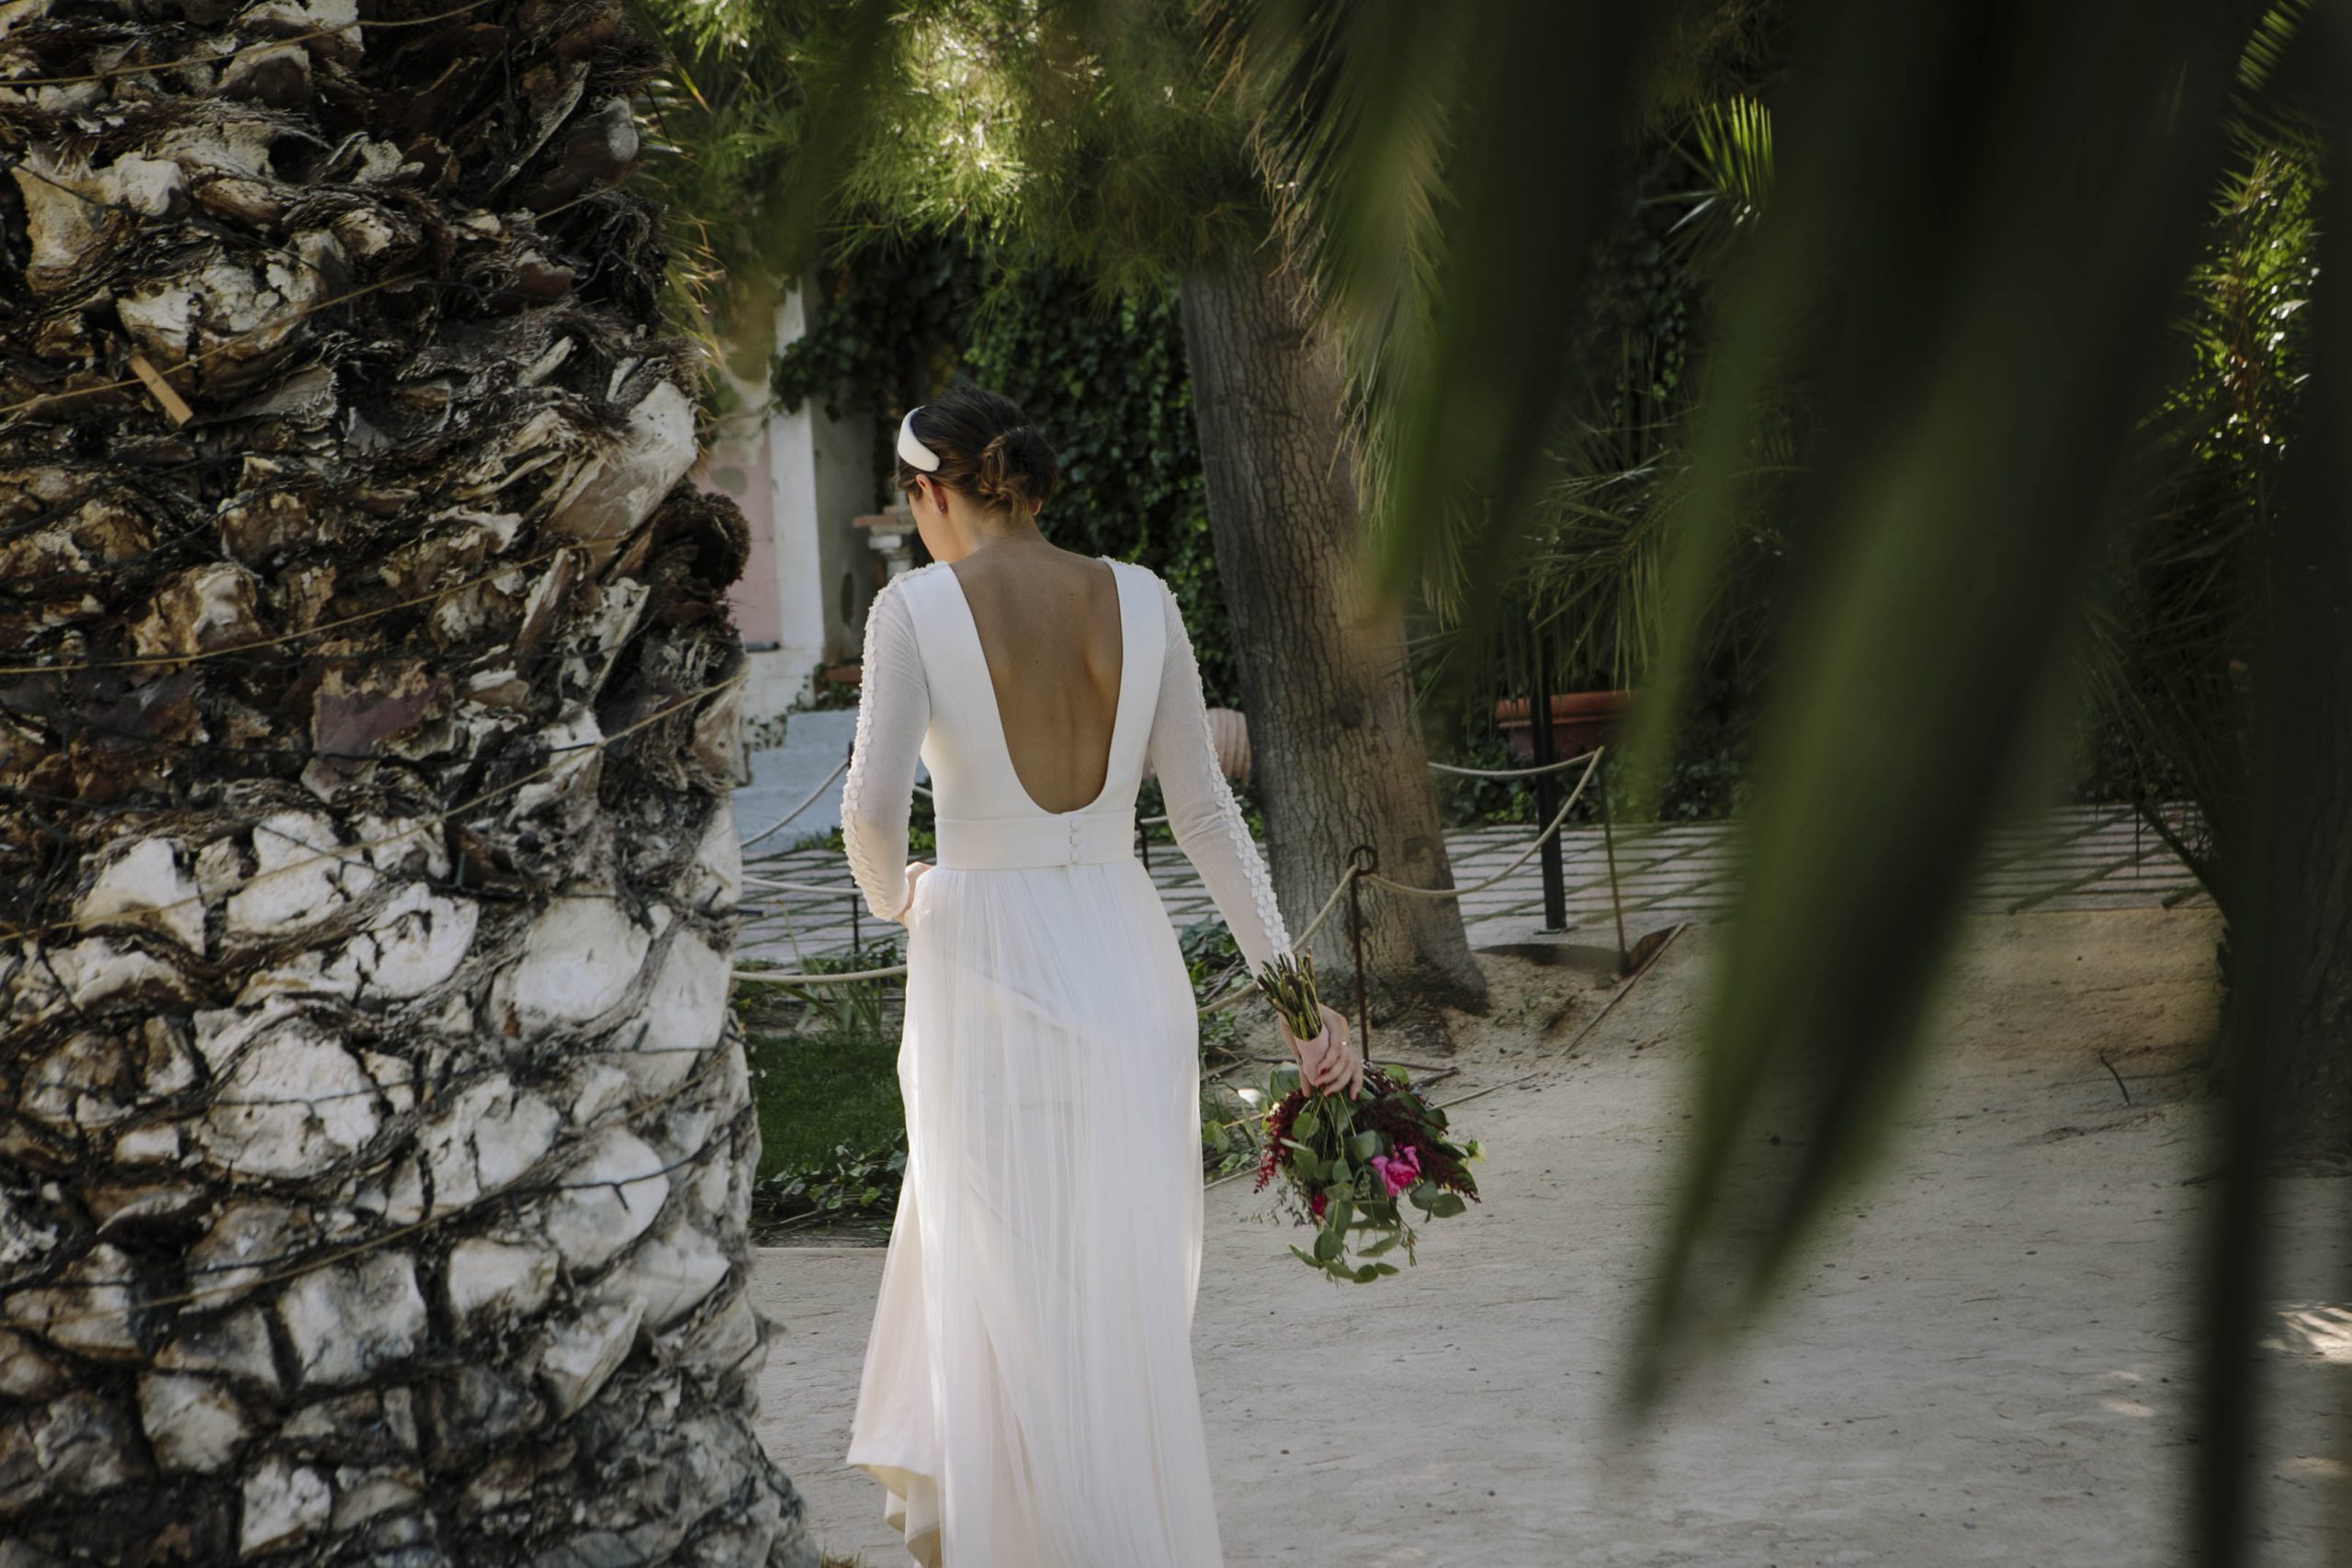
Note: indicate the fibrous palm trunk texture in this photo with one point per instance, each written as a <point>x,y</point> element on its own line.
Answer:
<point>374,1141</point>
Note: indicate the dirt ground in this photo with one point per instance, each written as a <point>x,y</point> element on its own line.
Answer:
<point>1986,1359</point>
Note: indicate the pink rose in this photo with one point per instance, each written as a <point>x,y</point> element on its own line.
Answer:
<point>1400,1170</point>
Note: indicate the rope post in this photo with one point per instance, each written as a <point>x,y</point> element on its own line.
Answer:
<point>1538,730</point>
<point>1362,861</point>
<point>1616,901</point>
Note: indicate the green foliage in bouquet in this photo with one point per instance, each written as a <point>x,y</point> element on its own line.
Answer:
<point>1353,1165</point>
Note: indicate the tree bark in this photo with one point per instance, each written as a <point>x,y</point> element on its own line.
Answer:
<point>375,1147</point>
<point>1337,754</point>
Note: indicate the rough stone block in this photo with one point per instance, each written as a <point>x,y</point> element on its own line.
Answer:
<point>364,1495</point>
<point>86,1445</point>
<point>300,875</point>
<point>685,1013</point>
<point>295,1104</point>
<point>488,1279</point>
<point>145,886</point>
<point>348,1320</point>
<point>670,1273</point>
<point>193,1424</point>
<point>234,1345</point>
<point>492,1135</point>
<point>25,1372</point>
<point>285,1504</point>
<point>415,943</point>
<point>579,959</point>
<point>611,1194</point>
<point>88,1309</point>
<point>578,1356</point>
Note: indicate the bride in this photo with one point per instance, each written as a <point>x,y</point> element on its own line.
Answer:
<point>1027,1399</point>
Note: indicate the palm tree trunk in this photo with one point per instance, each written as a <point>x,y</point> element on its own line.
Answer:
<point>374,1145</point>
<point>1335,751</point>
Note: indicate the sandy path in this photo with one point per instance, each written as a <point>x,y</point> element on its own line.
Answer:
<point>1985,1361</point>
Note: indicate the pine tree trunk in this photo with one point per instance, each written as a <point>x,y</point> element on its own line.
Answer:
<point>374,1143</point>
<point>1336,754</point>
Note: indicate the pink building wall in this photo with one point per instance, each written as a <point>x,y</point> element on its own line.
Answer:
<point>736,466</point>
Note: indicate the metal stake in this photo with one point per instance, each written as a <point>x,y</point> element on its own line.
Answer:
<point>1361,860</point>
<point>1609,843</point>
<point>1538,730</point>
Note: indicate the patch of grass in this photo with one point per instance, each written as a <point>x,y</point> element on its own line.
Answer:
<point>824,1063</point>
<point>819,1091</point>
<point>824,1068</point>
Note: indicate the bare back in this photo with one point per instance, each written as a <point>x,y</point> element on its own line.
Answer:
<point>1050,629</point>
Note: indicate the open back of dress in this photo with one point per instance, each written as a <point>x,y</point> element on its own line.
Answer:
<point>1055,669</point>
<point>1028,1398</point>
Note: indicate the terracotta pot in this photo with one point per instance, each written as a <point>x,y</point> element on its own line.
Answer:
<point>1581,721</point>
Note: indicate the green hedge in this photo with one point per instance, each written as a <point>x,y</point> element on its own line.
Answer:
<point>1103,377</point>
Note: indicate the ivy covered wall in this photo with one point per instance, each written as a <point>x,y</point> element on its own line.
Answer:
<point>1103,378</point>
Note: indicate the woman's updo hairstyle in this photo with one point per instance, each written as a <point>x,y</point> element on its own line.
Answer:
<point>986,448</point>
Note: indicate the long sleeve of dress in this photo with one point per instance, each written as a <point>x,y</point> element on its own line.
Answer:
<point>1201,812</point>
<point>893,712</point>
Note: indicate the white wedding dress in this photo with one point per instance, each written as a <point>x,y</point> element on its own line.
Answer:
<point>1028,1399</point>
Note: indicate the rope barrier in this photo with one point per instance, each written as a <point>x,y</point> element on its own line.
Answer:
<point>840,768</point>
<point>924,790</point>
<point>1558,819</point>
<point>776,884</point>
<point>1591,760</point>
<point>1512,772</point>
<point>842,977</point>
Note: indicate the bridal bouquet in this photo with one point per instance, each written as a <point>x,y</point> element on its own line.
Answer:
<point>1351,1166</point>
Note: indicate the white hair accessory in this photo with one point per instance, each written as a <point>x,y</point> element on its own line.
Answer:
<point>911,447</point>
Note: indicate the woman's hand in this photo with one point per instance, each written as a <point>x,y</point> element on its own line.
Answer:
<point>915,868</point>
<point>1329,1062</point>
